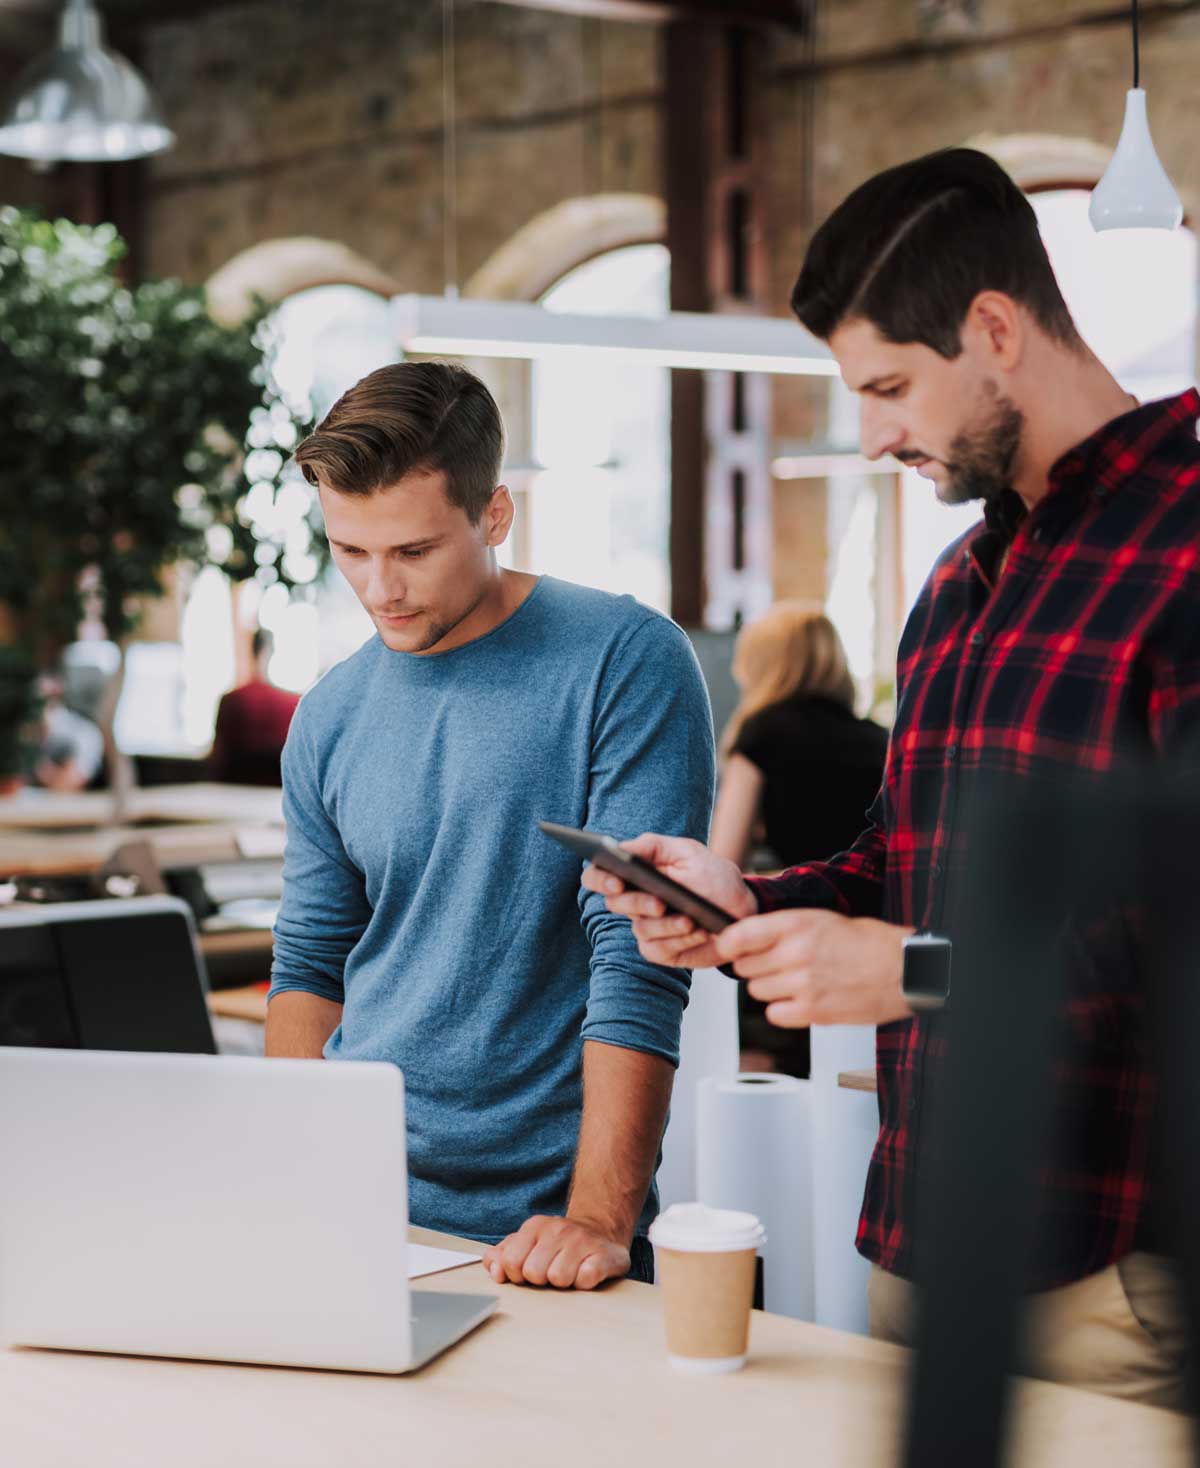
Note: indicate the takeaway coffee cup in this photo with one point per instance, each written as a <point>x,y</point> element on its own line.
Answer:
<point>706,1263</point>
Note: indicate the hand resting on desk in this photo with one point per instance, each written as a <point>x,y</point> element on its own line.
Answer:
<point>563,1252</point>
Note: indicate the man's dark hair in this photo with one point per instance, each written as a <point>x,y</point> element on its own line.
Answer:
<point>911,248</point>
<point>261,642</point>
<point>410,416</point>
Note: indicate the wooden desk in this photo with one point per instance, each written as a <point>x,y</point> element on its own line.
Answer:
<point>54,810</point>
<point>552,1381</point>
<point>249,1002</point>
<point>49,833</point>
<point>857,1080</point>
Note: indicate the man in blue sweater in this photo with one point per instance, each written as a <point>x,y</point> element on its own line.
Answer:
<point>425,919</point>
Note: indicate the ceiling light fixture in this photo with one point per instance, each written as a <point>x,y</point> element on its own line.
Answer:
<point>720,343</point>
<point>82,103</point>
<point>1135,192</point>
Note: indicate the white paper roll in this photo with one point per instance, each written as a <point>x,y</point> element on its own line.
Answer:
<point>708,1046</point>
<point>845,1125</point>
<point>754,1153</point>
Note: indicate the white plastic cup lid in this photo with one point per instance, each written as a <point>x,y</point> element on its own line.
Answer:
<point>697,1229</point>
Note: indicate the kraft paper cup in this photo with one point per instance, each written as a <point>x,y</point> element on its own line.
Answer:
<point>706,1266</point>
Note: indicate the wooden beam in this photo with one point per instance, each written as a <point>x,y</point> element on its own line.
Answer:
<point>787,13</point>
<point>720,537</point>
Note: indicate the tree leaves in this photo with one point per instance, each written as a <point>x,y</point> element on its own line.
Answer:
<point>127,415</point>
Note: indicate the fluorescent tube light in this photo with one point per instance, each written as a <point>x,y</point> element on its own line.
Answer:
<point>720,343</point>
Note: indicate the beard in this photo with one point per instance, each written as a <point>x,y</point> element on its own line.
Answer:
<point>981,458</point>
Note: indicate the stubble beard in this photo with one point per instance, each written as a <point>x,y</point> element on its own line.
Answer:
<point>981,459</point>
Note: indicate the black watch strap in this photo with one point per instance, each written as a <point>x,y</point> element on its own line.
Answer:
<point>926,979</point>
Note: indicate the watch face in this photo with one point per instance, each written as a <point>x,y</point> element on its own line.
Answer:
<point>927,970</point>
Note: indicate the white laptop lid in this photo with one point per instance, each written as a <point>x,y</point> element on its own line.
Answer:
<point>219,1207</point>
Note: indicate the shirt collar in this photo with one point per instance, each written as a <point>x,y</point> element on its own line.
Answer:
<point>1098,465</point>
<point>1116,451</point>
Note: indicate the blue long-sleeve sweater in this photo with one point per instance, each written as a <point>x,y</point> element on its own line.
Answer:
<point>419,893</point>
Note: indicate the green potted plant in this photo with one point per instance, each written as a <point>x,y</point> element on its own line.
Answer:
<point>139,435</point>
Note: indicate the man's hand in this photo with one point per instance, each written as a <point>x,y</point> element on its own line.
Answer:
<point>667,938</point>
<point>564,1252</point>
<point>814,967</point>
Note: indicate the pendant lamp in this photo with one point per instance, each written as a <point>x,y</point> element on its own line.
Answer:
<point>1135,192</point>
<point>82,103</point>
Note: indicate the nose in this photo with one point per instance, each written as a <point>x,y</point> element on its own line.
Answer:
<point>385,583</point>
<point>879,431</point>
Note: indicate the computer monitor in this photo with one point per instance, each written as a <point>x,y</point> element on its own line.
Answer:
<point>113,975</point>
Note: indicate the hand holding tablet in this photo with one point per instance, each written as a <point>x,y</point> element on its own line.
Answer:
<point>675,890</point>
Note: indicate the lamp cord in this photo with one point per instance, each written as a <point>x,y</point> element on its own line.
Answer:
<point>1136,59</point>
<point>449,157</point>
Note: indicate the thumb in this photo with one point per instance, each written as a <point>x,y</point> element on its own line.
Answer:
<point>659,851</point>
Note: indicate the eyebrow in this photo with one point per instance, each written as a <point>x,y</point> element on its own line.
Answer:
<point>408,545</point>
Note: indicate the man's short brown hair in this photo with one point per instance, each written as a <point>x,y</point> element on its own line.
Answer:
<point>408,417</point>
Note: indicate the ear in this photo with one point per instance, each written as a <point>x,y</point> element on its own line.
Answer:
<point>498,517</point>
<point>996,327</point>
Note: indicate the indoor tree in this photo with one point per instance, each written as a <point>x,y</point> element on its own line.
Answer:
<point>138,434</point>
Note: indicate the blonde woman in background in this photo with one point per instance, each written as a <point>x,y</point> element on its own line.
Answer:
<point>798,771</point>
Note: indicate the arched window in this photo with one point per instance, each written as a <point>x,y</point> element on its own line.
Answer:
<point>597,500</point>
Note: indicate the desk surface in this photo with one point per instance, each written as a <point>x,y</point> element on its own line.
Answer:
<point>249,1001</point>
<point>51,810</point>
<point>50,833</point>
<point>552,1380</point>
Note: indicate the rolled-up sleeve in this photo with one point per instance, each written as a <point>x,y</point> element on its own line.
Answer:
<point>324,910</point>
<point>652,769</point>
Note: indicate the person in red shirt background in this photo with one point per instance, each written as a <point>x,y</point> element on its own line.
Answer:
<point>252,725</point>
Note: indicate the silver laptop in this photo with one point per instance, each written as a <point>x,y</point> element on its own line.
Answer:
<point>217,1207</point>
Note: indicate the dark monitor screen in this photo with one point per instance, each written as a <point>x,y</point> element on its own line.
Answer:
<point>34,1007</point>
<point>121,975</point>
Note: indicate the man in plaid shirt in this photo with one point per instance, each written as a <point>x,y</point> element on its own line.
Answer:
<point>1061,633</point>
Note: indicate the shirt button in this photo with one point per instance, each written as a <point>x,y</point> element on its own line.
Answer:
<point>935,869</point>
<point>912,1102</point>
<point>951,753</point>
<point>1039,535</point>
<point>977,639</point>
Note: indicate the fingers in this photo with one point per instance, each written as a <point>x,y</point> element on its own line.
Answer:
<point>660,851</point>
<point>671,928</point>
<point>690,950</point>
<point>505,1262</point>
<point>759,934</point>
<point>785,985</point>
<point>555,1252</point>
<point>621,899</point>
<point>790,1014</point>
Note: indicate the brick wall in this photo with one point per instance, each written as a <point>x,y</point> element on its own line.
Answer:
<point>327,119</point>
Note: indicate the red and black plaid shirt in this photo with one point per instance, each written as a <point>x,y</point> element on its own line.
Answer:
<point>1081,652</point>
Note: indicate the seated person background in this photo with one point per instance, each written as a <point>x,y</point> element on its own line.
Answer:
<point>68,749</point>
<point>252,725</point>
<point>798,769</point>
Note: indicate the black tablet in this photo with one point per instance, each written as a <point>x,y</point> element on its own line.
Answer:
<point>610,856</point>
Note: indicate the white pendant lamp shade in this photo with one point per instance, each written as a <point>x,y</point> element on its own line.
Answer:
<point>82,103</point>
<point>1135,192</point>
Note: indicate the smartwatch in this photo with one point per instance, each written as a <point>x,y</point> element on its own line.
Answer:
<point>926,980</point>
